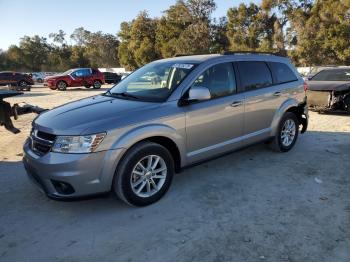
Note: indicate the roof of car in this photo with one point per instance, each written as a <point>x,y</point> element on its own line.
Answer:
<point>206,57</point>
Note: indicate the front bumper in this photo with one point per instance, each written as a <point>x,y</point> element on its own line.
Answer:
<point>50,83</point>
<point>79,174</point>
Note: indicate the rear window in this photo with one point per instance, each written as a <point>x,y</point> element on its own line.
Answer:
<point>254,75</point>
<point>282,73</point>
<point>333,75</point>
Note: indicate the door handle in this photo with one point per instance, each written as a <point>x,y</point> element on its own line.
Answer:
<point>277,93</point>
<point>236,103</point>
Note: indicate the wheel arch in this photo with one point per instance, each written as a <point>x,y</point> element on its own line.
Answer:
<point>61,80</point>
<point>290,105</point>
<point>160,134</point>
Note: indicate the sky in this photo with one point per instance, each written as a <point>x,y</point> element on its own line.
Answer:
<point>41,17</point>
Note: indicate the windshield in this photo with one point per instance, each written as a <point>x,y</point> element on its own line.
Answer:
<point>333,75</point>
<point>153,82</point>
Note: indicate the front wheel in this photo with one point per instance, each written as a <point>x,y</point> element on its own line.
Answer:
<point>61,85</point>
<point>144,175</point>
<point>287,133</point>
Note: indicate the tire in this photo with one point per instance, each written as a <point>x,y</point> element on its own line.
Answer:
<point>125,174</point>
<point>39,80</point>
<point>87,86</point>
<point>279,144</point>
<point>22,85</point>
<point>97,84</point>
<point>61,85</point>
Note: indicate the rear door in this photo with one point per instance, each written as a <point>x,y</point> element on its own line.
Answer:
<point>262,99</point>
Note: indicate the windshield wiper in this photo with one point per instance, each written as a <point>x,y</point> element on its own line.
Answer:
<point>123,94</point>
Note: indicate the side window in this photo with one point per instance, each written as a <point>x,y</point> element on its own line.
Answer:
<point>75,73</point>
<point>86,72</point>
<point>254,75</point>
<point>282,72</point>
<point>219,79</point>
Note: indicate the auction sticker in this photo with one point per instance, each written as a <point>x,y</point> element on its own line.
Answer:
<point>185,66</point>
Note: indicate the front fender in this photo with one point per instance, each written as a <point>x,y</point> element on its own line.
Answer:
<point>132,136</point>
<point>280,112</point>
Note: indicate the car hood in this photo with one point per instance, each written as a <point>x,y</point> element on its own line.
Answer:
<point>92,115</point>
<point>329,85</point>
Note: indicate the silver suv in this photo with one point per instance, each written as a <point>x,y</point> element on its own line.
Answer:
<point>134,137</point>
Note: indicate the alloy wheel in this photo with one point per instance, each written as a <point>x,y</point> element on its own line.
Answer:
<point>288,132</point>
<point>148,176</point>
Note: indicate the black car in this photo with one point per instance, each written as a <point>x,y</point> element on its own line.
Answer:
<point>18,81</point>
<point>330,90</point>
<point>111,78</point>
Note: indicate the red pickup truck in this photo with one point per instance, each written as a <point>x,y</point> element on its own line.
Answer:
<point>87,77</point>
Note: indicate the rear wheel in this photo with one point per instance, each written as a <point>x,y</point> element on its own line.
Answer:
<point>61,85</point>
<point>287,133</point>
<point>144,175</point>
<point>97,84</point>
<point>22,84</point>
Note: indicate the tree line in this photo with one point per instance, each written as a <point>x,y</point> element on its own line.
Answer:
<point>310,32</point>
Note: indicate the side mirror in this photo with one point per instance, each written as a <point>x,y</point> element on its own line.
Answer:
<point>198,93</point>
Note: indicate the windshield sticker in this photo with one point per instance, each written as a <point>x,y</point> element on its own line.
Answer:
<point>185,66</point>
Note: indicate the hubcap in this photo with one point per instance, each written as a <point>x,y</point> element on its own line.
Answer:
<point>288,133</point>
<point>97,84</point>
<point>61,85</point>
<point>148,176</point>
<point>23,84</point>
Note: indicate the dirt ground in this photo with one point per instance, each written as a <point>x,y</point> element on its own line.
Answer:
<point>251,205</point>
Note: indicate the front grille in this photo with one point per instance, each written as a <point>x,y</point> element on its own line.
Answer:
<point>41,142</point>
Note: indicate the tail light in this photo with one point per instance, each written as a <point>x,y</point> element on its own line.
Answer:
<point>306,86</point>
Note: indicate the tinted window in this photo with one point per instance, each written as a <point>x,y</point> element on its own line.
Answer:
<point>282,72</point>
<point>82,72</point>
<point>333,75</point>
<point>254,75</point>
<point>219,79</point>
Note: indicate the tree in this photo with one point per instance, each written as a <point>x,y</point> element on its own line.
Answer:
<point>138,39</point>
<point>185,28</point>
<point>249,28</point>
<point>58,37</point>
<point>101,49</point>
<point>35,51</point>
<point>323,36</point>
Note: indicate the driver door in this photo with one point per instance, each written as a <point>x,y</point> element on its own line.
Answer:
<point>77,77</point>
<point>215,126</point>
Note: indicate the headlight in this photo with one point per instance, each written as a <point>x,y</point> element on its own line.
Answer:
<point>77,144</point>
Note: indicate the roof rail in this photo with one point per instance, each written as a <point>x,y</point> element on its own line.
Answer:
<point>178,55</point>
<point>252,52</point>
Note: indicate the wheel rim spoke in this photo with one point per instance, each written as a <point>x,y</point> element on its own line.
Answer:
<point>148,176</point>
<point>288,132</point>
<point>141,187</point>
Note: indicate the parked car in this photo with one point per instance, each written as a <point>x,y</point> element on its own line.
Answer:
<point>111,78</point>
<point>124,75</point>
<point>87,77</point>
<point>133,138</point>
<point>38,77</point>
<point>330,90</point>
<point>16,80</point>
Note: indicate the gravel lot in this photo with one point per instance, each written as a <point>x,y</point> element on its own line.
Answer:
<point>251,205</point>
